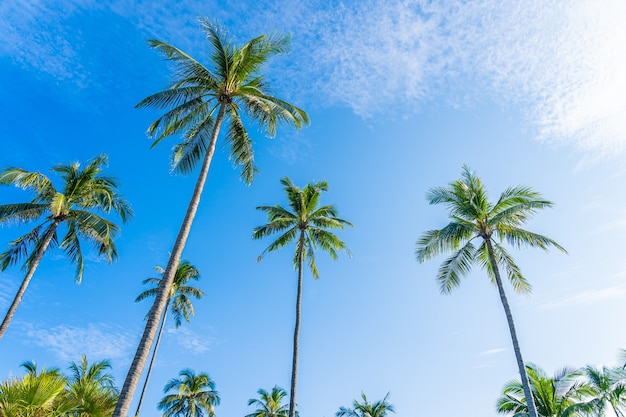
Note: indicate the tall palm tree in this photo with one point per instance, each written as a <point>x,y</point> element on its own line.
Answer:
<point>307,225</point>
<point>366,409</point>
<point>192,396</point>
<point>179,299</point>
<point>609,387</point>
<point>474,217</point>
<point>91,388</point>
<point>269,403</point>
<point>86,194</point>
<point>559,396</point>
<point>199,100</point>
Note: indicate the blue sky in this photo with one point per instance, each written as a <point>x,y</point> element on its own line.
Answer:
<point>401,94</point>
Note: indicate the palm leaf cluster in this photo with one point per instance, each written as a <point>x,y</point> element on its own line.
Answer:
<point>588,391</point>
<point>88,391</point>
<point>201,95</point>
<point>86,195</point>
<point>365,408</point>
<point>269,404</point>
<point>475,221</point>
<point>189,395</point>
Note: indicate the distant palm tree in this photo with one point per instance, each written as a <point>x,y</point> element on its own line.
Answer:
<point>366,409</point>
<point>609,387</point>
<point>36,394</point>
<point>84,195</point>
<point>91,388</point>
<point>182,308</point>
<point>473,217</point>
<point>192,396</point>
<point>200,99</point>
<point>559,396</point>
<point>307,225</point>
<point>269,403</point>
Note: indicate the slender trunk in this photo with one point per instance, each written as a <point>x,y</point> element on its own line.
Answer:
<point>154,352</point>
<point>29,275</point>
<point>532,411</point>
<point>143,350</point>
<point>296,332</point>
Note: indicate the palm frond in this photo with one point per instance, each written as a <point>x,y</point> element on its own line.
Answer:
<point>22,212</point>
<point>26,180</point>
<point>513,272</point>
<point>241,150</point>
<point>71,245</point>
<point>433,243</point>
<point>455,267</point>
<point>518,238</point>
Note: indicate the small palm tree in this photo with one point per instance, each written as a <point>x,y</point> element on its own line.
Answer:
<point>36,394</point>
<point>269,403</point>
<point>192,396</point>
<point>559,396</point>
<point>366,409</point>
<point>182,308</point>
<point>85,194</point>
<point>307,225</point>
<point>474,217</point>
<point>91,388</point>
<point>200,100</point>
<point>609,388</point>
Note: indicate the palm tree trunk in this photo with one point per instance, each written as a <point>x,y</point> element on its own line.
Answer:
<point>143,350</point>
<point>31,271</point>
<point>156,347</point>
<point>532,411</point>
<point>296,332</point>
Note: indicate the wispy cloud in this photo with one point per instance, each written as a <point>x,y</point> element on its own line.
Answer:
<point>191,341</point>
<point>588,297</point>
<point>490,352</point>
<point>95,340</point>
<point>8,288</point>
<point>563,62</point>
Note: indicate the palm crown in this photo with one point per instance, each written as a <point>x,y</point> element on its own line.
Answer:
<point>180,293</point>
<point>269,404</point>
<point>307,222</point>
<point>85,193</point>
<point>474,216</point>
<point>192,395</point>
<point>201,96</point>
<point>366,409</point>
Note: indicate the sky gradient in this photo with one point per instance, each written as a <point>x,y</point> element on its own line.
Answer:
<point>401,94</point>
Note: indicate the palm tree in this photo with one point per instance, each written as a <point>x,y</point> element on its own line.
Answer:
<point>308,225</point>
<point>182,308</point>
<point>91,388</point>
<point>85,193</point>
<point>559,396</point>
<point>200,99</point>
<point>609,387</point>
<point>192,396</point>
<point>366,409</point>
<point>474,217</point>
<point>269,403</point>
<point>36,394</point>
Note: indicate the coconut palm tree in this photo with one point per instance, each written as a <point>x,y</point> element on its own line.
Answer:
<point>86,194</point>
<point>475,218</point>
<point>192,396</point>
<point>561,395</point>
<point>366,409</point>
<point>307,225</point>
<point>269,403</point>
<point>91,388</point>
<point>179,299</point>
<point>200,100</point>
<point>609,388</point>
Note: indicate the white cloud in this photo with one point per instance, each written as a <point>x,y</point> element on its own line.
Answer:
<point>95,341</point>
<point>190,341</point>
<point>564,62</point>
<point>490,352</point>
